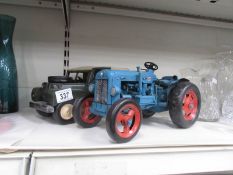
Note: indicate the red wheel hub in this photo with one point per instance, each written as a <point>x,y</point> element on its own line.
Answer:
<point>127,120</point>
<point>190,105</point>
<point>86,115</point>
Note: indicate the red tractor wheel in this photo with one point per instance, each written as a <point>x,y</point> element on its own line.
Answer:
<point>123,120</point>
<point>190,105</point>
<point>184,104</point>
<point>82,114</point>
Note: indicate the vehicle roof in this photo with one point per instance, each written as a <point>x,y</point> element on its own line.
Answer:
<point>89,68</point>
<point>84,68</point>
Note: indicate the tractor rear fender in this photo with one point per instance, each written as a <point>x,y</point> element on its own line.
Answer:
<point>182,80</point>
<point>173,85</point>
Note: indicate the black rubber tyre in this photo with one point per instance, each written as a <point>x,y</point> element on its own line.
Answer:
<point>130,126</point>
<point>44,114</point>
<point>36,94</point>
<point>57,113</point>
<point>59,79</point>
<point>184,103</point>
<point>82,114</point>
<point>147,113</point>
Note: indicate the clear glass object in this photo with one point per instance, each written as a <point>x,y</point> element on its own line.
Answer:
<point>227,109</point>
<point>225,74</point>
<point>8,72</point>
<point>210,102</point>
<point>225,85</point>
<point>215,81</point>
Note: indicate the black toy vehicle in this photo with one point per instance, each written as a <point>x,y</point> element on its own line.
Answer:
<point>55,98</point>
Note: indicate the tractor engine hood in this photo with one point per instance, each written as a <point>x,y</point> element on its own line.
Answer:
<point>126,75</point>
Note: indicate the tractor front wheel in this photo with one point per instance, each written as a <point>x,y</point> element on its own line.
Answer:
<point>123,120</point>
<point>82,113</point>
<point>184,104</point>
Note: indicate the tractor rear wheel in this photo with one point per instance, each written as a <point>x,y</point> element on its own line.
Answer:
<point>123,120</point>
<point>147,113</point>
<point>184,103</point>
<point>82,113</point>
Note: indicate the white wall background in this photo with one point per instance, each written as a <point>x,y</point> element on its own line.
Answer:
<point>98,39</point>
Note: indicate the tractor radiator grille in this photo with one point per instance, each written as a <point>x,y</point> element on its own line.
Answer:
<point>102,91</point>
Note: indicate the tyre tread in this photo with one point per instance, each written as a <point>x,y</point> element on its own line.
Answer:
<point>174,103</point>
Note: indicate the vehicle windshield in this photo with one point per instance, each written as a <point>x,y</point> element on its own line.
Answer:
<point>79,77</point>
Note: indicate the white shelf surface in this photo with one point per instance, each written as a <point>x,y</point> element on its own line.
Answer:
<point>26,130</point>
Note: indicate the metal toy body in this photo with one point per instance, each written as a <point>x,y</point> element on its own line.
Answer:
<point>125,96</point>
<point>44,98</point>
<point>142,86</point>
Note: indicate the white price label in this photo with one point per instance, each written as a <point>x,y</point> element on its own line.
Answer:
<point>64,95</point>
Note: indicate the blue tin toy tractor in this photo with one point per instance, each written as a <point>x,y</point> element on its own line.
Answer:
<point>125,97</point>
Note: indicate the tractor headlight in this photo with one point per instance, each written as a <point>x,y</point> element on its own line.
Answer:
<point>91,88</point>
<point>114,91</point>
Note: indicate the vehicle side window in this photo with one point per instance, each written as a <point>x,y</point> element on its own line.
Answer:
<point>81,77</point>
<point>72,75</point>
<point>91,77</point>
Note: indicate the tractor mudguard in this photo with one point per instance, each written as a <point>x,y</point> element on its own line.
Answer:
<point>174,85</point>
<point>182,80</point>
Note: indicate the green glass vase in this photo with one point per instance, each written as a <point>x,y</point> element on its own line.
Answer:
<point>8,72</point>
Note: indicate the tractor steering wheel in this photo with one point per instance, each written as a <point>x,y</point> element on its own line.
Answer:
<point>150,65</point>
